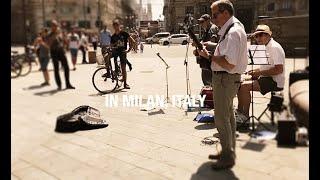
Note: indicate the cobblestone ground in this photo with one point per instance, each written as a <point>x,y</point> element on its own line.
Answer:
<point>156,144</point>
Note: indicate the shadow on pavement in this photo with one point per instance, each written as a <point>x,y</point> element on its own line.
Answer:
<point>205,126</point>
<point>82,128</point>
<point>48,93</point>
<point>115,91</point>
<point>33,87</point>
<point>199,109</point>
<point>254,146</point>
<point>97,94</point>
<point>160,111</point>
<point>206,172</point>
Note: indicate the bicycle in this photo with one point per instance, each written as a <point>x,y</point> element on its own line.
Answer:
<point>15,66</point>
<point>26,60</point>
<point>105,79</point>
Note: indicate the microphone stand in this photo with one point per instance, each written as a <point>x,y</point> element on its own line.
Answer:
<point>188,93</point>
<point>252,103</point>
<point>167,67</point>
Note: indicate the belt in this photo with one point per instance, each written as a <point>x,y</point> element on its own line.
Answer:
<point>219,72</point>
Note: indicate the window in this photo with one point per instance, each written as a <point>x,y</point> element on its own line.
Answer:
<point>189,9</point>
<point>271,7</point>
<point>163,35</point>
<point>286,4</point>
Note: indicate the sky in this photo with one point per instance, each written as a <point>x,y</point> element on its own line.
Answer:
<point>157,8</point>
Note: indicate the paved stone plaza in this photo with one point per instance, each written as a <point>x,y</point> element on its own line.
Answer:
<point>156,144</point>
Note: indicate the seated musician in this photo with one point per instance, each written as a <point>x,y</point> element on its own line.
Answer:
<point>209,40</point>
<point>268,77</point>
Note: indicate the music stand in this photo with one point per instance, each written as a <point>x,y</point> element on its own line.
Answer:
<point>259,57</point>
<point>167,67</point>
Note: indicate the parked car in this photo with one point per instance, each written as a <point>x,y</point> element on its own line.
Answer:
<point>175,39</point>
<point>155,38</point>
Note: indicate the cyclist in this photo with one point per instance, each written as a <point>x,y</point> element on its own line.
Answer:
<point>119,40</point>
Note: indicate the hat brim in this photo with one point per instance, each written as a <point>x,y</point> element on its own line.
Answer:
<point>201,19</point>
<point>258,32</point>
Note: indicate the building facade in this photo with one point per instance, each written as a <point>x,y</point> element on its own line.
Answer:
<point>288,19</point>
<point>83,14</point>
<point>289,22</point>
<point>175,12</point>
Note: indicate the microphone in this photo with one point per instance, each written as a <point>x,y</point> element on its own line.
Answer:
<point>158,54</point>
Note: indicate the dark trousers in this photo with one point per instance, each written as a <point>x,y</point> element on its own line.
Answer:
<point>83,50</point>
<point>59,56</point>
<point>123,59</point>
<point>206,76</point>
<point>95,44</point>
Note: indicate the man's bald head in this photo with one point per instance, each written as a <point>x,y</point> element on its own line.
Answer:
<point>223,5</point>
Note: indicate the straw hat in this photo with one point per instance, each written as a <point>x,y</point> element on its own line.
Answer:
<point>262,28</point>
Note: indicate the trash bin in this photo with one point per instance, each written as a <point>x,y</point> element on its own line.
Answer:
<point>92,57</point>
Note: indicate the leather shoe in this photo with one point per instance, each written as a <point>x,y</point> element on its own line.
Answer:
<point>70,87</point>
<point>126,86</point>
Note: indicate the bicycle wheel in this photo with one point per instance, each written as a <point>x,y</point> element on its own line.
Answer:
<point>15,69</point>
<point>26,65</point>
<point>102,83</point>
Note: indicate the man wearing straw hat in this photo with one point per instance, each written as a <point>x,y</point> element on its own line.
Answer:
<point>269,77</point>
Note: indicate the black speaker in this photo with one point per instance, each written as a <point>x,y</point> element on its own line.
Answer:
<point>298,75</point>
<point>286,132</point>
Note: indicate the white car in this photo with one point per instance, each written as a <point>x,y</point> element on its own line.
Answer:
<point>175,39</point>
<point>155,38</point>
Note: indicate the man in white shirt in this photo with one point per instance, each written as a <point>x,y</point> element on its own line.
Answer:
<point>228,63</point>
<point>73,39</point>
<point>269,77</point>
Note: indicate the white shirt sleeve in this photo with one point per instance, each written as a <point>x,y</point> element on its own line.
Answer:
<point>232,41</point>
<point>277,55</point>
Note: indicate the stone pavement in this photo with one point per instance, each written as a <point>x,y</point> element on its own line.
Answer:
<point>160,144</point>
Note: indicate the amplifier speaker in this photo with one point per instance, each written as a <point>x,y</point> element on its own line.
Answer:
<point>286,132</point>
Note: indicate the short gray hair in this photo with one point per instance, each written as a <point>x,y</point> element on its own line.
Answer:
<point>224,5</point>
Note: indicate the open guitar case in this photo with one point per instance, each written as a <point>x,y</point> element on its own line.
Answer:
<point>81,118</point>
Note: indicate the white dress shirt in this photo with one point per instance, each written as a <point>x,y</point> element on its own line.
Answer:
<point>233,47</point>
<point>276,56</point>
